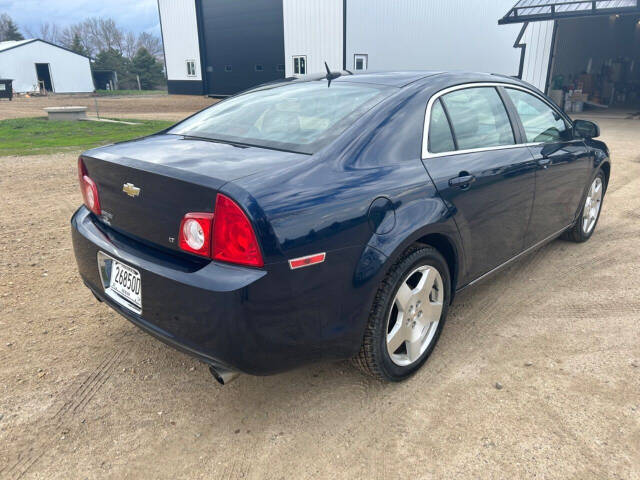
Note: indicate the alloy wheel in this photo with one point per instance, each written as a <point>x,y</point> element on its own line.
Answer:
<point>592,206</point>
<point>415,314</point>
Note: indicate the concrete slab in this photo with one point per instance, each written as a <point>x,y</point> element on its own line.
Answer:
<point>66,113</point>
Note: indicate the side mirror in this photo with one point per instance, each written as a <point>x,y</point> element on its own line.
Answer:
<point>586,129</point>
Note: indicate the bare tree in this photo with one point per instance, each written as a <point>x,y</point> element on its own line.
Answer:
<point>69,33</point>
<point>151,43</point>
<point>97,35</point>
<point>47,31</point>
<point>130,45</point>
<point>111,35</point>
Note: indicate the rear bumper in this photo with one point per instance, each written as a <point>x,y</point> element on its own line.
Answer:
<point>156,332</point>
<point>244,319</point>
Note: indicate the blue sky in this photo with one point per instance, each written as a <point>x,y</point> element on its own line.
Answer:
<point>135,15</point>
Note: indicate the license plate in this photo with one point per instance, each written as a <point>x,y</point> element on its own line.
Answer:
<point>121,282</point>
<point>125,281</point>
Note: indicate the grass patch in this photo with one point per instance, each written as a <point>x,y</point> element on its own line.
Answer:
<point>31,136</point>
<point>112,93</point>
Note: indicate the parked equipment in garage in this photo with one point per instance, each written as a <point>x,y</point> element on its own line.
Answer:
<point>6,88</point>
<point>591,53</point>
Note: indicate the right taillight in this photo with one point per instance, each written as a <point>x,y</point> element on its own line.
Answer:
<point>89,189</point>
<point>225,235</point>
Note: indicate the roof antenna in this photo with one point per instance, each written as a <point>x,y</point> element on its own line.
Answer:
<point>330,75</point>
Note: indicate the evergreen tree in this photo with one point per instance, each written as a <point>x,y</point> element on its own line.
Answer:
<point>114,60</point>
<point>76,46</point>
<point>148,68</point>
<point>8,29</point>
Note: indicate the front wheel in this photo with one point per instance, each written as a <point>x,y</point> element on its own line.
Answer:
<point>407,317</point>
<point>590,213</point>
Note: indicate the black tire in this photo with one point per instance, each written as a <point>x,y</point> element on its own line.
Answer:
<point>373,358</point>
<point>576,233</point>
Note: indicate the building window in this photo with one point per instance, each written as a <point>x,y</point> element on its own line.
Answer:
<point>259,68</point>
<point>191,68</point>
<point>228,68</point>
<point>300,65</point>
<point>280,68</point>
<point>360,61</point>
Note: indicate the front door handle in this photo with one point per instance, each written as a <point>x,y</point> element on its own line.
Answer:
<point>462,181</point>
<point>544,162</point>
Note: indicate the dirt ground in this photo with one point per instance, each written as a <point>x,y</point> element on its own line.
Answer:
<point>146,107</point>
<point>85,394</point>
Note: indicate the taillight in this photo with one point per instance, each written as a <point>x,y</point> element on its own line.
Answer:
<point>195,233</point>
<point>89,189</point>
<point>225,235</point>
<point>233,237</point>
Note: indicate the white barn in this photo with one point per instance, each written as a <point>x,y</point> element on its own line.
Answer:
<point>33,63</point>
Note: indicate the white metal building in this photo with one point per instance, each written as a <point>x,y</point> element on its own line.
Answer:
<point>34,63</point>
<point>224,46</point>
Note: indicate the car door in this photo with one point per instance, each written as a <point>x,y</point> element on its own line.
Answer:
<point>563,164</point>
<point>486,178</point>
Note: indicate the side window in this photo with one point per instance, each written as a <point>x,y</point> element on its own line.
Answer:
<point>191,68</point>
<point>300,65</point>
<point>360,61</point>
<point>478,118</point>
<point>541,122</point>
<point>440,137</point>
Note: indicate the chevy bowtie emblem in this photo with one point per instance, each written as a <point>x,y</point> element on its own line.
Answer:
<point>131,190</point>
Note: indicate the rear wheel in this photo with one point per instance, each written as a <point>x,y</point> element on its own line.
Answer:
<point>407,316</point>
<point>590,213</point>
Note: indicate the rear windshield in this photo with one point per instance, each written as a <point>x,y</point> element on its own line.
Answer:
<point>300,117</point>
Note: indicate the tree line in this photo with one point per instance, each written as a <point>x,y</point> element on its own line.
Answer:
<point>107,44</point>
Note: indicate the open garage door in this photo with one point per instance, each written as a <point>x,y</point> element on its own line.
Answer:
<point>592,57</point>
<point>596,62</point>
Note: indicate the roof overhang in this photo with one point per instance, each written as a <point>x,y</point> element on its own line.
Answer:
<point>540,10</point>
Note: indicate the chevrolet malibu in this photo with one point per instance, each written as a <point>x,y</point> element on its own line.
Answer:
<point>331,217</point>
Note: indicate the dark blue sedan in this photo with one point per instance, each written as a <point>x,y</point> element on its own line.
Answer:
<point>331,217</point>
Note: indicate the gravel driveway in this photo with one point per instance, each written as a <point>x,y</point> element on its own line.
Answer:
<point>84,394</point>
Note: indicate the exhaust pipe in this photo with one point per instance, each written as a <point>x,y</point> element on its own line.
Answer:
<point>222,375</point>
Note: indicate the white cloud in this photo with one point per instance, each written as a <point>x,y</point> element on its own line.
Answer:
<point>135,15</point>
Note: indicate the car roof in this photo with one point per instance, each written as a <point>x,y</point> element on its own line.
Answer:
<point>403,78</point>
<point>437,80</point>
<point>392,79</point>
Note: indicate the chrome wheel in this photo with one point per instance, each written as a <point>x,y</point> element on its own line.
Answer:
<point>415,314</point>
<point>592,206</point>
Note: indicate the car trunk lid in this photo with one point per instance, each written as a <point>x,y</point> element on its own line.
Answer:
<point>146,186</point>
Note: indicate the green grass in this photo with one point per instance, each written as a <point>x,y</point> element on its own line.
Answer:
<point>110,93</point>
<point>31,136</point>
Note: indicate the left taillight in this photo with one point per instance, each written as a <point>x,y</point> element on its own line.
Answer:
<point>227,235</point>
<point>88,188</point>
<point>195,233</point>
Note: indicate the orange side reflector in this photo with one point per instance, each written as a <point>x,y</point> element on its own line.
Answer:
<point>306,261</point>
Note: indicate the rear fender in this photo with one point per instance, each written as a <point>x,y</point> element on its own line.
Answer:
<point>414,221</point>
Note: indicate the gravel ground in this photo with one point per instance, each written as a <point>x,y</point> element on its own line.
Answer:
<point>146,107</point>
<point>84,394</point>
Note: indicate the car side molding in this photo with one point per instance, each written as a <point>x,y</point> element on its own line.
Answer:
<point>514,258</point>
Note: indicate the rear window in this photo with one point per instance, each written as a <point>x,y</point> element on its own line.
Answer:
<point>300,117</point>
<point>479,118</point>
<point>440,137</point>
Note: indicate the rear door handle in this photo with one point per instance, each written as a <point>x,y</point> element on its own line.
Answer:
<point>544,162</point>
<point>462,181</point>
